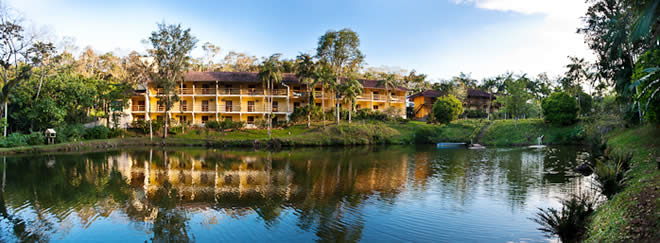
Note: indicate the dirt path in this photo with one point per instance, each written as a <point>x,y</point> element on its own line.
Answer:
<point>481,133</point>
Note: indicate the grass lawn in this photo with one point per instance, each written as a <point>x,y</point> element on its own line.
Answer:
<point>632,215</point>
<point>506,133</point>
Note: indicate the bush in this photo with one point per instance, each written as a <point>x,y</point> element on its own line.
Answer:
<point>98,132</point>
<point>570,223</point>
<point>143,125</point>
<point>35,138</point>
<point>475,113</point>
<point>368,114</point>
<point>14,140</point>
<point>611,174</point>
<point>69,133</point>
<point>560,109</point>
<point>300,114</point>
<point>228,124</point>
<point>446,109</point>
<point>213,125</point>
<point>585,103</point>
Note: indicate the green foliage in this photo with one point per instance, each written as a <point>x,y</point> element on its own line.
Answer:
<point>646,84</point>
<point>371,115</point>
<point>506,133</point>
<point>585,103</point>
<point>560,109</point>
<point>446,109</point>
<point>98,132</point>
<point>300,113</point>
<point>515,102</point>
<point>611,174</point>
<point>569,224</point>
<point>18,139</point>
<point>212,125</point>
<point>475,113</point>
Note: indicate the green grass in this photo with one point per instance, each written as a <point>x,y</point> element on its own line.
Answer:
<point>506,133</point>
<point>623,217</point>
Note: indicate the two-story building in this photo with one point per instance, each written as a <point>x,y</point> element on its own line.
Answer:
<point>476,100</point>
<point>241,96</point>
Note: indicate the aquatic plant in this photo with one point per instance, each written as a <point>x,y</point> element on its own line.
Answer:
<point>569,223</point>
<point>611,173</point>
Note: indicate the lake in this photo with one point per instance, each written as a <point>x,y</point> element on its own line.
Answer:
<point>371,194</point>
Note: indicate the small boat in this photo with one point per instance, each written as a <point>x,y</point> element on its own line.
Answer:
<point>476,146</point>
<point>450,145</point>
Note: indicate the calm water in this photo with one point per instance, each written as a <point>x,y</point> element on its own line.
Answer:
<point>386,194</point>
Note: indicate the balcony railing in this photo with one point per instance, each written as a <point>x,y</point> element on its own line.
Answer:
<point>253,91</point>
<point>232,108</point>
<point>398,99</point>
<point>186,91</point>
<point>319,94</point>
<point>205,108</point>
<point>379,97</point>
<point>205,91</point>
<point>279,92</point>
<point>229,91</point>
<point>138,107</point>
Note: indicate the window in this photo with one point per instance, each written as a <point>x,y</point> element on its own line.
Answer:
<point>375,107</point>
<point>182,119</point>
<point>275,106</point>
<point>183,105</point>
<point>250,120</point>
<point>205,119</point>
<point>318,104</point>
<point>317,89</point>
<point>296,104</point>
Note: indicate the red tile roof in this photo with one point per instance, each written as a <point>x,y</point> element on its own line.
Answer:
<point>436,93</point>
<point>245,77</point>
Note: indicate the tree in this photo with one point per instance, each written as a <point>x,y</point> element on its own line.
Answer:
<point>647,82</point>
<point>210,51</point>
<point>270,73</point>
<point>340,50</point>
<point>41,55</point>
<point>326,77</point>
<point>171,48</point>
<point>140,71</point>
<point>389,81</point>
<point>305,70</point>
<point>515,100</point>
<point>560,108</point>
<point>350,90</point>
<point>446,109</point>
<point>416,82</point>
<point>13,41</point>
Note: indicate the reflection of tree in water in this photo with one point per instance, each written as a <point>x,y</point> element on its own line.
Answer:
<point>328,189</point>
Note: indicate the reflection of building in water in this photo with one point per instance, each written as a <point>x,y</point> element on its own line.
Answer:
<point>194,177</point>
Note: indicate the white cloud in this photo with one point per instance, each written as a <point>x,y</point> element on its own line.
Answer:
<point>531,47</point>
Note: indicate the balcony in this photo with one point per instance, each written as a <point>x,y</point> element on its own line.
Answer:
<point>205,108</point>
<point>229,91</point>
<point>364,97</point>
<point>279,92</point>
<point>181,108</point>
<point>229,108</point>
<point>185,91</point>
<point>254,91</point>
<point>379,97</point>
<point>398,99</point>
<point>319,94</point>
<point>140,108</point>
<point>205,91</point>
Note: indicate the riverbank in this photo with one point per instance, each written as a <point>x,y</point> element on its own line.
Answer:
<point>632,215</point>
<point>498,133</point>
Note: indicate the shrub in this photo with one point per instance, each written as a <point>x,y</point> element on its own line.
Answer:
<point>213,125</point>
<point>14,140</point>
<point>98,132</point>
<point>228,124</point>
<point>143,125</point>
<point>35,138</point>
<point>69,133</point>
<point>585,103</point>
<point>611,174</point>
<point>570,223</point>
<point>560,109</point>
<point>475,113</point>
<point>446,109</point>
<point>368,114</point>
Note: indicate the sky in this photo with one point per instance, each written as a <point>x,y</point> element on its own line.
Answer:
<point>440,38</point>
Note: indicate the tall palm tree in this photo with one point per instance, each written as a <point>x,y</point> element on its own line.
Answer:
<point>389,80</point>
<point>326,77</point>
<point>270,73</point>
<point>305,71</point>
<point>350,90</point>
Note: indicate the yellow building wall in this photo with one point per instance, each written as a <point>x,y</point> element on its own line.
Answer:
<point>419,101</point>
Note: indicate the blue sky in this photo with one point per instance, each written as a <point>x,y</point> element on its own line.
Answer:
<point>440,38</point>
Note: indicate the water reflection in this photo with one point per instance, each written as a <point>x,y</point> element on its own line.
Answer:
<point>348,194</point>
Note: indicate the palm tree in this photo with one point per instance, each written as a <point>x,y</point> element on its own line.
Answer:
<point>389,80</point>
<point>305,70</point>
<point>325,76</point>
<point>270,73</point>
<point>350,90</point>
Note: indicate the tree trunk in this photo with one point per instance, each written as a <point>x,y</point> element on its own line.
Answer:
<point>337,100</point>
<point>350,110</point>
<point>323,104</point>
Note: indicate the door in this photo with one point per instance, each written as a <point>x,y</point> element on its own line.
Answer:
<point>274,106</point>
<point>251,106</point>
<point>205,105</point>
<point>228,106</point>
